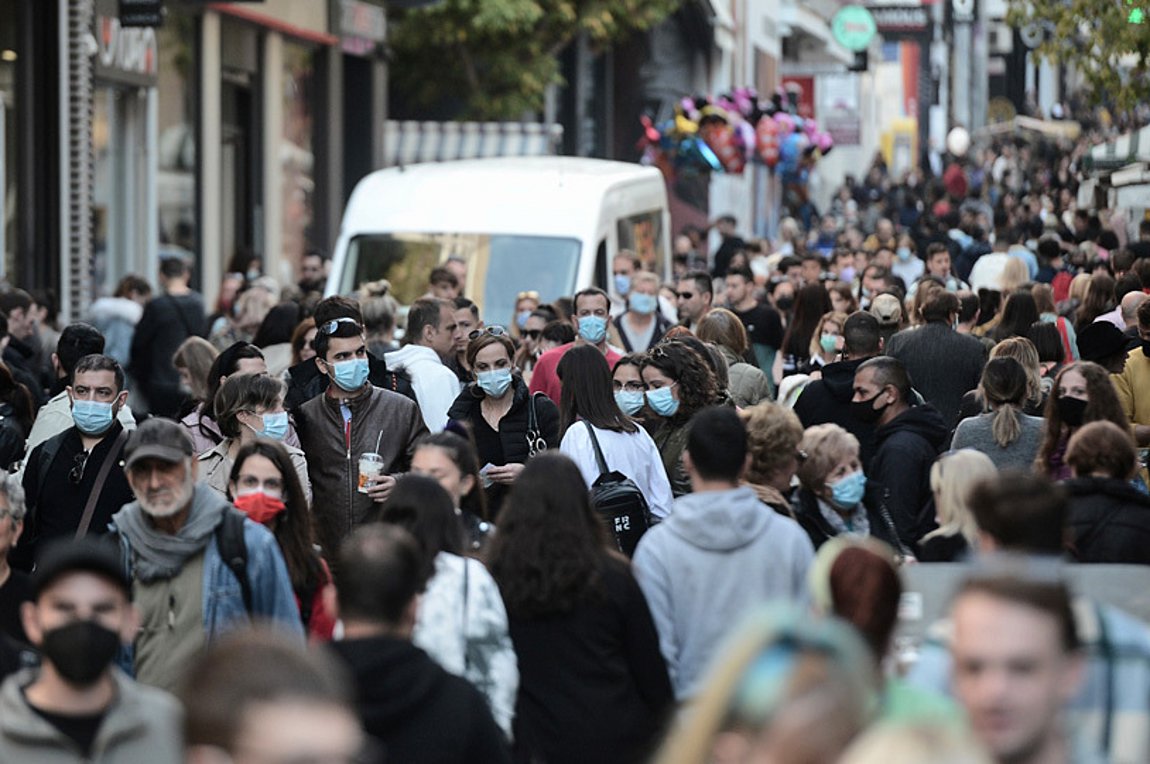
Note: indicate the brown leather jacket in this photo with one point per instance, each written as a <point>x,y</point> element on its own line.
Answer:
<point>333,462</point>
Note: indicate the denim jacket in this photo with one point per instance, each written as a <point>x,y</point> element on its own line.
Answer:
<point>272,596</point>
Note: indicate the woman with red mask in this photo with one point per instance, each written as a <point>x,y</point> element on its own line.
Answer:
<point>263,484</point>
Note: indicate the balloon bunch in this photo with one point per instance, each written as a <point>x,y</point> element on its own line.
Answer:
<point>724,133</point>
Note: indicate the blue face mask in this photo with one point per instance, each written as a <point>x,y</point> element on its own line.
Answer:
<point>494,382</point>
<point>350,375</point>
<point>847,274</point>
<point>521,318</point>
<point>644,304</point>
<point>593,328</point>
<point>622,284</point>
<point>662,401</point>
<point>827,342</point>
<point>275,426</point>
<point>630,401</point>
<point>848,491</point>
<point>903,253</point>
<point>92,417</point>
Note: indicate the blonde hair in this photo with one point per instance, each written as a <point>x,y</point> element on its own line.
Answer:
<point>1014,275</point>
<point>1022,350</point>
<point>773,435</point>
<point>831,317</point>
<point>951,478</point>
<point>936,741</point>
<point>825,682</point>
<point>1079,286</point>
<point>825,446</point>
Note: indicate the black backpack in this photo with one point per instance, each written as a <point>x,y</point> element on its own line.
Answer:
<point>234,551</point>
<point>620,503</point>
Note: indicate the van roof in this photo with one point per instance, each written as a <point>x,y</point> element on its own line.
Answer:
<point>536,195</point>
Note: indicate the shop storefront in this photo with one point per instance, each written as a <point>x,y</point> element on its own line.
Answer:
<point>124,140</point>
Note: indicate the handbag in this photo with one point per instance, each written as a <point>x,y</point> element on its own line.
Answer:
<point>618,500</point>
<point>535,441</point>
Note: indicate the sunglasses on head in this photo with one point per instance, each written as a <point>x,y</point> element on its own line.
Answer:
<point>530,294</point>
<point>330,327</point>
<point>494,331</point>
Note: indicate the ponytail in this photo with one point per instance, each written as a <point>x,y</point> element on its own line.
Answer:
<point>1006,425</point>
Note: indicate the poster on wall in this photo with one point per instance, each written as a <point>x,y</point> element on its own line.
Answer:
<point>839,108</point>
<point>800,90</point>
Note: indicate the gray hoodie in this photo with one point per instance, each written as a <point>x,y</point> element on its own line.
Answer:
<point>718,556</point>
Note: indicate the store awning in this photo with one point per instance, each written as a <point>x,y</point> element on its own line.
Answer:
<point>1120,152</point>
<point>1055,128</point>
<point>799,18</point>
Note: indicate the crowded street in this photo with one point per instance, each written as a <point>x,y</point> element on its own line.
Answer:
<point>550,408</point>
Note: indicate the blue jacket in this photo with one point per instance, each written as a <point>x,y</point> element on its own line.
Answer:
<point>272,596</point>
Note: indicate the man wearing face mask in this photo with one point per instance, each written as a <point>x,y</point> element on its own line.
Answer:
<point>642,325</point>
<point>351,418</point>
<point>74,481</point>
<point>592,309</point>
<point>77,706</point>
<point>199,567</point>
<point>907,439</point>
<point>623,268</point>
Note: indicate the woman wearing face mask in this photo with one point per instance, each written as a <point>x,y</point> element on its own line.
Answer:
<point>1082,393</point>
<point>449,457</point>
<point>826,342</point>
<point>830,501</point>
<point>525,303</point>
<point>531,346</point>
<point>498,407</point>
<point>630,390</point>
<point>264,485</point>
<point>249,406</point>
<point>679,383</point>
<point>590,416</point>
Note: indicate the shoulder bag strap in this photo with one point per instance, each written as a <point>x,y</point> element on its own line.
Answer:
<point>603,469</point>
<point>466,638</point>
<point>111,458</point>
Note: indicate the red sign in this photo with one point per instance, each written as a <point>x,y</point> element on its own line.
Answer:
<point>801,89</point>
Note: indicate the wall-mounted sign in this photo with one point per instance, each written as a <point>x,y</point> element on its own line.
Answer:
<point>125,54</point>
<point>853,27</point>
<point>141,13</point>
<point>901,20</point>
<point>362,27</point>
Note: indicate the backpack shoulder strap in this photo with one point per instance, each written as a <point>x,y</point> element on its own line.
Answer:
<point>234,551</point>
<point>603,468</point>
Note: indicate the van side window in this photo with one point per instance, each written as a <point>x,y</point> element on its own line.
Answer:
<point>643,234</point>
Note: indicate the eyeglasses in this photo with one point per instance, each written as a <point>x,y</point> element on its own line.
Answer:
<point>632,387</point>
<point>330,327</point>
<point>494,331</point>
<point>76,474</point>
<point>532,334</point>
<point>530,294</point>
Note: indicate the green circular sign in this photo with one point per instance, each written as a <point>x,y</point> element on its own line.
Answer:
<point>853,27</point>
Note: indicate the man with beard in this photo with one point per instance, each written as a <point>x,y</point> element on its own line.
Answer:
<point>199,567</point>
<point>77,706</point>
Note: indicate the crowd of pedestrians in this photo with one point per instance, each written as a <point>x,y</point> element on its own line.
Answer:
<point>674,521</point>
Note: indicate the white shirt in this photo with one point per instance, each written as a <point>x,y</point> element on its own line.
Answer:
<point>436,386</point>
<point>632,453</point>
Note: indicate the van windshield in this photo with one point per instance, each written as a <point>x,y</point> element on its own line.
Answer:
<point>499,267</point>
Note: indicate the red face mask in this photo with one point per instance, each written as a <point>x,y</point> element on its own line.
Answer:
<point>260,507</point>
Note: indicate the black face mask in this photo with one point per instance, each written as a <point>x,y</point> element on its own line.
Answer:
<point>865,412</point>
<point>1071,410</point>
<point>80,651</point>
<point>785,303</point>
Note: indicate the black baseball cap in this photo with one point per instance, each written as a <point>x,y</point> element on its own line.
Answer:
<point>93,554</point>
<point>1100,341</point>
<point>158,438</point>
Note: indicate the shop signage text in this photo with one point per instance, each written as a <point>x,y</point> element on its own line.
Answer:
<point>125,54</point>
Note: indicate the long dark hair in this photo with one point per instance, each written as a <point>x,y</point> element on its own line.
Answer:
<point>293,530</point>
<point>278,325</point>
<point>462,453</point>
<point>421,506</point>
<point>1019,312</point>
<point>811,303</point>
<point>1099,299</point>
<point>1102,406</point>
<point>17,396</point>
<point>550,547</point>
<point>588,392</point>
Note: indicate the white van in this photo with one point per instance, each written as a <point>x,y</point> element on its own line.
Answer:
<point>544,224</point>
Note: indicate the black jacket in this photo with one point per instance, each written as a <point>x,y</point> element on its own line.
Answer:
<point>806,511</point>
<point>593,686</point>
<point>943,365</point>
<point>419,712</point>
<point>167,321</point>
<point>828,401</point>
<point>512,435</point>
<point>899,478</point>
<point>1109,521</point>
<point>21,361</point>
<point>306,381</point>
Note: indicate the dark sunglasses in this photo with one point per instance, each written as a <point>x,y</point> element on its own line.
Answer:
<point>532,334</point>
<point>330,327</point>
<point>79,461</point>
<point>685,295</point>
<point>494,331</point>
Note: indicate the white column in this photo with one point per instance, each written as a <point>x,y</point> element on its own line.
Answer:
<point>211,253</point>
<point>151,245</point>
<point>272,129</point>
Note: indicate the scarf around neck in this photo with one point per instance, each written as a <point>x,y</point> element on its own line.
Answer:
<point>157,555</point>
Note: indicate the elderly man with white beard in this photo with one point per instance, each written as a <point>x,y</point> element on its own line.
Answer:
<point>198,566</point>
